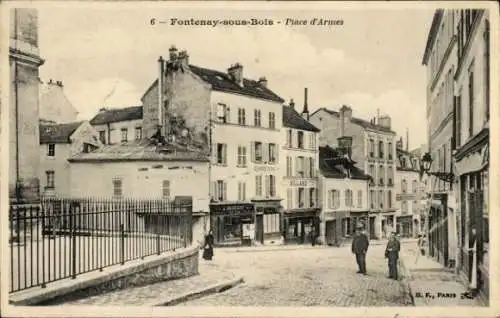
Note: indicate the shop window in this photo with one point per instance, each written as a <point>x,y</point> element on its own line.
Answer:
<point>272,223</point>
<point>232,228</point>
<point>241,117</point>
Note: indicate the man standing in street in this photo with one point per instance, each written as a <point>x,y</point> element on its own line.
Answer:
<point>359,247</point>
<point>392,254</point>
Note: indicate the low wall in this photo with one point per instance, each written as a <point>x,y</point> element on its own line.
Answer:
<point>174,265</point>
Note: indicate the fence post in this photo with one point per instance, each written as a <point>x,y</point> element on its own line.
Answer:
<point>122,236</point>
<point>73,237</point>
<point>157,241</point>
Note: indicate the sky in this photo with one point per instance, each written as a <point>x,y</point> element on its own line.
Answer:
<point>108,56</point>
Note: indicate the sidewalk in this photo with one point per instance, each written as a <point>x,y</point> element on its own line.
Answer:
<point>430,283</point>
<point>211,279</point>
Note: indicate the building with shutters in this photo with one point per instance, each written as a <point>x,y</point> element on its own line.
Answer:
<point>343,196</point>
<point>299,186</point>
<point>118,125</point>
<point>471,144</point>
<point>237,122</point>
<point>373,149</point>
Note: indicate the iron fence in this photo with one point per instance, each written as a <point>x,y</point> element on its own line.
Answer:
<point>65,237</point>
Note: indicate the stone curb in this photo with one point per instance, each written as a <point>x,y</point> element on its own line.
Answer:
<point>195,294</point>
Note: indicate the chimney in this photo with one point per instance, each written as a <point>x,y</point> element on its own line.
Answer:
<point>59,83</point>
<point>172,53</point>
<point>378,117</point>
<point>236,73</point>
<point>407,140</point>
<point>160,93</point>
<point>345,118</point>
<point>183,58</point>
<point>50,81</point>
<point>263,81</point>
<point>292,104</point>
<point>305,111</point>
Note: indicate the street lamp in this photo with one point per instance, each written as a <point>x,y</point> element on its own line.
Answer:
<point>425,167</point>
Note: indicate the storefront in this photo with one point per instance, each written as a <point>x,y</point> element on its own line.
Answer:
<point>233,224</point>
<point>438,228</point>
<point>472,169</point>
<point>268,223</point>
<point>299,224</point>
<point>388,224</point>
<point>405,225</point>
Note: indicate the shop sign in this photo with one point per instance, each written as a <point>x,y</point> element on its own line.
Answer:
<point>302,183</point>
<point>232,209</point>
<point>265,168</point>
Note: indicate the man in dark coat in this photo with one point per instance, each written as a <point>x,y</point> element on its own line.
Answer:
<point>359,247</point>
<point>392,254</point>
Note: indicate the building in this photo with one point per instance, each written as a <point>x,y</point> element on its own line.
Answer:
<point>343,193</point>
<point>440,58</point>
<point>24,62</point>
<point>236,121</point>
<point>409,193</point>
<point>54,105</point>
<point>299,185</point>
<point>58,143</point>
<point>373,149</point>
<point>118,125</point>
<point>471,147</point>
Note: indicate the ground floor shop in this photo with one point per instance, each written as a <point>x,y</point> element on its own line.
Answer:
<point>405,226</point>
<point>388,224</point>
<point>236,224</point>
<point>340,226</point>
<point>301,226</point>
<point>472,166</point>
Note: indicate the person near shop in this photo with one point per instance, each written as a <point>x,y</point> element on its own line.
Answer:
<point>313,236</point>
<point>208,246</point>
<point>359,248</point>
<point>473,270</point>
<point>392,255</point>
<point>421,242</point>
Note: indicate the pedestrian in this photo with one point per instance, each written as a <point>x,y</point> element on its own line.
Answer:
<point>420,243</point>
<point>208,249</point>
<point>392,255</point>
<point>359,247</point>
<point>473,271</point>
<point>313,236</point>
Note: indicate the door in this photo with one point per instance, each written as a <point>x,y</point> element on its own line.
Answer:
<point>259,228</point>
<point>372,227</point>
<point>330,227</point>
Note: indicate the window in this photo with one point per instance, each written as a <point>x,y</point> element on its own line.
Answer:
<point>256,119</point>
<point>312,168</point>
<point>258,186</point>
<point>312,140</point>
<point>389,151</point>
<point>381,175</point>
<point>333,199</point>
<point>272,186</point>
<point>289,166</point>
<point>389,199</point>
<point>271,223</point>
<point>458,120</point>
<point>222,113</point>
<point>404,207</point>
<point>471,100</point>
<point>257,151</point>
<point>102,136</point>
<point>241,191</point>
<point>348,198</point>
<point>360,198</point>
<point>403,186</point>
<point>241,117</point>
<point>272,153</point>
<point>117,187</point>
<point>372,199</point>
<point>372,148</point>
<point>390,176</point>
<point>166,189</point>
<point>272,120</point>
<point>289,198</point>
<point>51,150</point>
<point>138,133</point>
<point>300,166</point>
<point>301,197</point>
<point>222,154</point>
<point>307,167</point>
<point>300,139</point>
<point>50,179</point>
<point>124,135</point>
<point>312,197</point>
<point>414,186</point>
<point>381,149</point>
<point>221,190</point>
<point>289,138</point>
<point>242,156</point>
<point>381,198</point>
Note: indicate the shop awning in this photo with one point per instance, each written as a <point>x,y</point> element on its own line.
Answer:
<point>474,155</point>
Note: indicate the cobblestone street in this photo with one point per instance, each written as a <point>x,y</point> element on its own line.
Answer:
<point>305,277</point>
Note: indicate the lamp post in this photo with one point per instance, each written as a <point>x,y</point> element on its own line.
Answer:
<point>449,177</point>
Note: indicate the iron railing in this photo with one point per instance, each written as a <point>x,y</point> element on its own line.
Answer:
<point>65,237</point>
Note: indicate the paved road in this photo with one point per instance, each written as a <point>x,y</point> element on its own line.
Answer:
<point>305,277</point>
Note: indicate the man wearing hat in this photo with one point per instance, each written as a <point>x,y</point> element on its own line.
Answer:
<point>359,247</point>
<point>392,254</point>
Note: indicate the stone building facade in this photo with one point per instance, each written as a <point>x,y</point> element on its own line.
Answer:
<point>24,62</point>
<point>119,124</point>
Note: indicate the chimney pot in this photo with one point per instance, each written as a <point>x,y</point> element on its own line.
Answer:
<point>263,81</point>
<point>236,73</point>
<point>292,103</point>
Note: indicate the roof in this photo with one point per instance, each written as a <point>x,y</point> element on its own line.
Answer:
<point>436,21</point>
<point>332,165</point>
<point>358,121</point>
<point>116,115</point>
<point>57,133</point>
<point>292,119</point>
<point>221,82</point>
<point>140,150</point>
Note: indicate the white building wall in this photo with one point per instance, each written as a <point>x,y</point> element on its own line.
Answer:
<point>115,135</point>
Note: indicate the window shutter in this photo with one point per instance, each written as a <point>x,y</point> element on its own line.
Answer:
<point>214,191</point>
<point>224,191</point>
<point>296,166</point>
<point>252,151</point>
<point>306,197</point>
<point>265,152</point>
<point>330,199</point>
<point>224,154</point>
<point>214,153</point>
<point>228,114</point>
<point>267,185</point>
